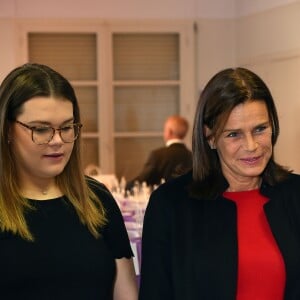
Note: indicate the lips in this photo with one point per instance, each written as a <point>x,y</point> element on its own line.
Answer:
<point>251,160</point>
<point>54,155</point>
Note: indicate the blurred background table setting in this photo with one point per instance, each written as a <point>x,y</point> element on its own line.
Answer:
<point>132,204</point>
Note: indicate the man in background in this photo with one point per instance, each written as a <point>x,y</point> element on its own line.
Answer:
<point>170,161</point>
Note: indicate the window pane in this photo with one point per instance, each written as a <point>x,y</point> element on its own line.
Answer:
<point>144,108</point>
<point>146,56</point>
<point>71,54</point>
<point>87,98</point>
<point>131,154</point>
<point>89,151</point>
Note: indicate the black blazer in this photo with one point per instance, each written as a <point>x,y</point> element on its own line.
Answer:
<point>189,246</point>
<point>166,163</point>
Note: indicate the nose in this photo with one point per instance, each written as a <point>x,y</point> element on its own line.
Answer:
<point>250,143</point>
<point>56,139</point>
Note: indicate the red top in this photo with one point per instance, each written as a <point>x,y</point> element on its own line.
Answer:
<point>261,269</point>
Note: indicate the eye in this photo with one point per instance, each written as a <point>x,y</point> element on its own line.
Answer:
<point>233,134</point>
<point>42,129</point>
<point>67,128</point>
<point>260,129</point>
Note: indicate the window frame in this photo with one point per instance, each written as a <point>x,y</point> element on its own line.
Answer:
<point>105,83</point>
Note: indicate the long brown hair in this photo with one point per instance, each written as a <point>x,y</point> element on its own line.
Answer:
<point>224,91</point>
<point>20,85</point>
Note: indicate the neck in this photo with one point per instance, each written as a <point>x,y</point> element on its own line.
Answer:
<point>172,141</point>
<point>244,186</point>
<point>41,194</point>
<point>40,191</point>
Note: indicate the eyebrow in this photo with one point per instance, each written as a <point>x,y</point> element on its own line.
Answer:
<point>238,129</point>
<point>48,123</point>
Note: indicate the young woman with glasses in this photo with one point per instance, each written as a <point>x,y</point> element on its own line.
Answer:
<point>62,235</point>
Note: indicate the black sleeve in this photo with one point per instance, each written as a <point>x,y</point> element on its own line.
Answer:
<point>156,283</point>
<point>114,232</point>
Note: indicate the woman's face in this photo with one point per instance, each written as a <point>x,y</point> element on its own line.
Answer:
<point>245,145</point>
<point>41,161</point>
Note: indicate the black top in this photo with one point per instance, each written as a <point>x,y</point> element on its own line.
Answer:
<point>190,246</point>
<point>65,261</point>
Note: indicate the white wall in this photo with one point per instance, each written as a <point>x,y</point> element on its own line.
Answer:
<point>116,9</point>
<point>137,9</point>
<point>246,7</point>
<point>7,42</point>
<point>216,47</point>
<point>269,32</point>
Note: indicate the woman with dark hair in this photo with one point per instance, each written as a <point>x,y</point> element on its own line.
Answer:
<point>62,235</point>
<point>230,229</point>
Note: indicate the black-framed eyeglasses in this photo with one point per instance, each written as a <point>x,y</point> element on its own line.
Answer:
<point>43,134</point>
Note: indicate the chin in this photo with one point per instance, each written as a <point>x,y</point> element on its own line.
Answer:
<point>54,173</point>
<point>253,173</point>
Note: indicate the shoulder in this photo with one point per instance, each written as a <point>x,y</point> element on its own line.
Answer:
<point>96,186</point>
<point>157,154</point>
<point>288,189</point>
<point>292,181</point>
<point>158,151</point>
<point>173,189</point>
<point>102,192</point>
<point>180,147</point>
<point>169,201</point>
<point>180,183</point>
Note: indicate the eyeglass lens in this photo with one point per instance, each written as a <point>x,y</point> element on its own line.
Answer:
<point>43,135</point>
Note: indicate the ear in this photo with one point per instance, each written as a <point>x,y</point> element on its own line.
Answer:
<point>209,137</point>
